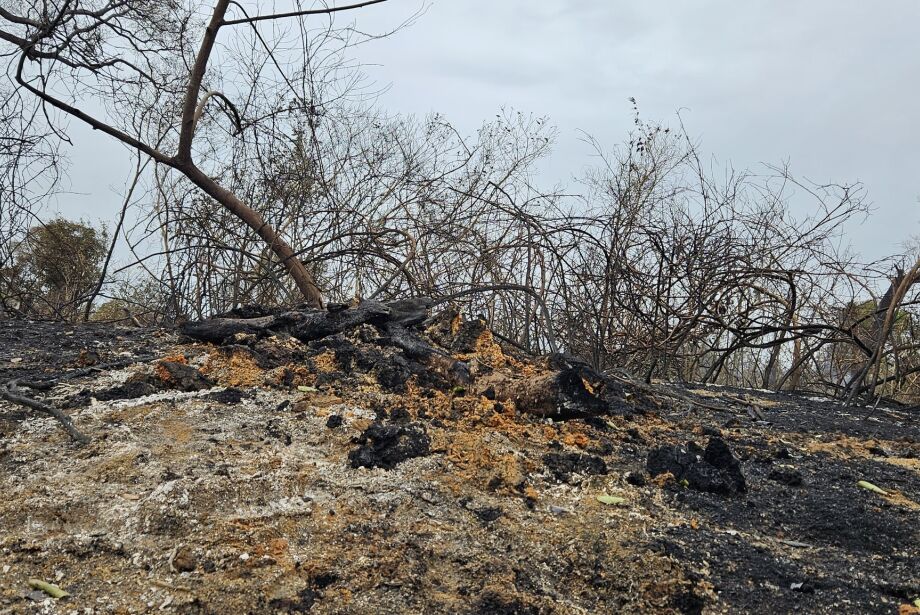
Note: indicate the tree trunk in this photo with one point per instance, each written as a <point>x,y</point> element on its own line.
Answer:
<point>884,321</point>
<point>295,268</point>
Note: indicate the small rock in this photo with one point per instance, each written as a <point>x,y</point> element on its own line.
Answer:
<point>488,514</point>
<point>634,436</point>
<point>804,587</point>
<point>334,421</point>
<point>782,453</point>
<point>184,561</point>
<point>37,596</point>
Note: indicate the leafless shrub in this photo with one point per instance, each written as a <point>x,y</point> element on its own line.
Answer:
<point>264,177</point>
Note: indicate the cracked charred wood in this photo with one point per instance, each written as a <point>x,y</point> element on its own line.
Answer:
<point>456,372</point>
<point>410,312</point>
<point>304,325</point>
<point>560,394</point>
<point>602,386</point>
<point>317,325</point>
<point>217,330</point>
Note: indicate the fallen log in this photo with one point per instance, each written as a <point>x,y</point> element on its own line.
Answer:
<point>410,312</point>
<point>218,330</point>
<point>305,325</point>
<point>317,325</point>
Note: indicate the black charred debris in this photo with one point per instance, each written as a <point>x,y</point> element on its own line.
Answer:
<point>714,470</point>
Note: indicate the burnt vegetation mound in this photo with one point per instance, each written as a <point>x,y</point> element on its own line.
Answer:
<point>397,342</point>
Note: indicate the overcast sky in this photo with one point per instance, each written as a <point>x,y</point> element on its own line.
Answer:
<point>830,85</point>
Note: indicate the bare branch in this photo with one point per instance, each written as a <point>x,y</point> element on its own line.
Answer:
<point>305,13</point>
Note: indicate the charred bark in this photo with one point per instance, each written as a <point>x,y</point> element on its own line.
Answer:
<point>559,395</point>
<point>305,325</point>
<point>454,371</point>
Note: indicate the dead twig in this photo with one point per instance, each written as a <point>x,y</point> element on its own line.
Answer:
<point>172,558</point>
<point>165,585</point>
<point>12,393</point>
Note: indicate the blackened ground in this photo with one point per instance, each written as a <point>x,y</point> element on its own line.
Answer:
<point>564,465</point>
<point>36,350</point>
<point>803,537</point>
<point>714,469</point>
<point>47,346</point>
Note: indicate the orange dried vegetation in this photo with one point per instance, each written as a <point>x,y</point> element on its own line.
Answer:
<point>162,372</point>
<point>236,369</point>
<point>325,362</point>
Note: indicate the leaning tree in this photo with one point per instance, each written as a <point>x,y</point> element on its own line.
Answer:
<point>108,63</point>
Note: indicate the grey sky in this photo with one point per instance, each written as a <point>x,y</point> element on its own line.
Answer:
<point>830,85</point>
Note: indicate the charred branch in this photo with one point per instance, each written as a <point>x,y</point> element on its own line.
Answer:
<point>11,393</point>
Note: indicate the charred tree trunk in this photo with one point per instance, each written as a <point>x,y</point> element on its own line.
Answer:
<point>304,325</point>
<point>561,394</point>
<point>302,277</point>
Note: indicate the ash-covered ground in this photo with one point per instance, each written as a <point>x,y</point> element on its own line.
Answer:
<point>341,475</point>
